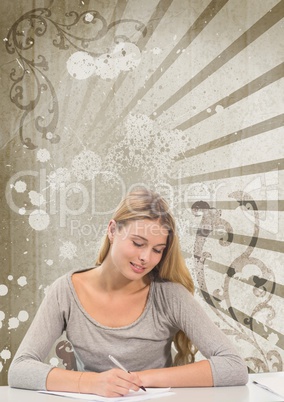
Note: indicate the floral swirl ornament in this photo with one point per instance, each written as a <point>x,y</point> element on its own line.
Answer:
<point>64,350</point>
<point>22,37</point>
<point>262,283</point>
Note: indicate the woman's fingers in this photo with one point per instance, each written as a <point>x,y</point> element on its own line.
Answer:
<point>115,382</point>
<point>132,381</point>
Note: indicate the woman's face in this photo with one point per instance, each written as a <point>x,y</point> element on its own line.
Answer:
<point>137,247</point>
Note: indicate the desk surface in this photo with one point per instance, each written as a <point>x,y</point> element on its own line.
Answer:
<point>247,393</point>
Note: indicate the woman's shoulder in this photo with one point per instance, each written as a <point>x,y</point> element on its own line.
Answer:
<point>64,281</point>
<point>168,288</point>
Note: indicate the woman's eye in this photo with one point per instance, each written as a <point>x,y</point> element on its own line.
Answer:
<point>158,251</point>
<point>137,244</point>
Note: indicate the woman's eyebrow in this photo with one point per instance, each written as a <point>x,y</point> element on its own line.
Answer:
<point>144,238</point>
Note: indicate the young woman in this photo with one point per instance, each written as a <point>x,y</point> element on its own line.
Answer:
<point>134,305</point>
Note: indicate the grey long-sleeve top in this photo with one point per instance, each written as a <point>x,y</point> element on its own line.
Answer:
<point>144,344</point>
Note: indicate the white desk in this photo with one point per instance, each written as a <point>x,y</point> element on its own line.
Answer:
<point>247,393</point>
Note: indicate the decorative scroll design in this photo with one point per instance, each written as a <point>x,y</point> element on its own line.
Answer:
<point>64,350</point>
<point>263,283</point>
<point>21,39</point>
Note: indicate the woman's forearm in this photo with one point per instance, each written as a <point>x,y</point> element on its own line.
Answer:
<point>114,382</point>
<point>191,375</point>
<point>197,374</point>
<point>63,380</point>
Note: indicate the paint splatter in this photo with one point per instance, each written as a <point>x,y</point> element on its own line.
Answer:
<point>43,155</point>
<point>20,186</point>
<point>86,165</point>
<point>49,262</point>
<point>124,57</point>
<point>22,281</point>
<point>80,65</point>
<point>5,354</point>
<point>13,323</point>
<point>273,338</point>
<point>39,220</point>
<point>3,290</point>
<point>219,108</point>
<point>22,211</point>
<point>23,316</point>
<point>59,178</point>
<point>49,135</point>
<point>89,17</point>
<point>36,198</point>
<point>68,250</point>
<point>146,147</point>
<point>138,130</point>
<point>54,361</point>
<point>2,317</point>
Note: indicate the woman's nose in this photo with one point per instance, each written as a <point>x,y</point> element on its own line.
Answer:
<point>144,255</point>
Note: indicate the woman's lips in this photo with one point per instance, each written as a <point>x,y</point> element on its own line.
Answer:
<point>137,268</point>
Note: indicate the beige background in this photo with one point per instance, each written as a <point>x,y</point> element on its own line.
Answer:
<point>184,96</point>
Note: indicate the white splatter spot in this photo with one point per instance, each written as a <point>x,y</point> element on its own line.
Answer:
<point>273,338</point>
<point>49,262</point>
<point>2,317</point>
<point>39,219</point>
<point>3,290</point>
<point>81,65</point>
<point>43,155</point>
<point>10,277</point>
<point>36,198</point>
<point>22,281</point>
<point>68,250</point>
<point>20,186</point>
<point>209,110</point>
<point>86,165</point>
<point>22,211</point>
<point>89,17</point>
<point>1,366</point>
<point>23,316</point>
<point>6,354</point>
<point>13,323</point>
<point>223,305</point>
<point>247,272</point>
<point>54,361</point>
<point>49,135</point>
<point>219,108</point>
<point>59,178</point>
<point>124,57</point>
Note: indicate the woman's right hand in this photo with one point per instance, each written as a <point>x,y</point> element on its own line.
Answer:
<point>111,383</point>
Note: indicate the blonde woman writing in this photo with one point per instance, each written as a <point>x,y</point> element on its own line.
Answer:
<point>133,305</point>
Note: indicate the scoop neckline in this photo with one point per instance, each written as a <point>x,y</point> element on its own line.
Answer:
<point>97,323</point>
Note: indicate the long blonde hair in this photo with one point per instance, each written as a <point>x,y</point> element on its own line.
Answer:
<point>146,204</point>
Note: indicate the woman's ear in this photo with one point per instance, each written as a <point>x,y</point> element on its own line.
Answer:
<point>111,230</point>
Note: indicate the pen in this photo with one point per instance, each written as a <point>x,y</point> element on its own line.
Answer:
<point>116,362</point>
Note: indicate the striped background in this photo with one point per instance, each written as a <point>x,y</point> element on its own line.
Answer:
<point>199,117</point>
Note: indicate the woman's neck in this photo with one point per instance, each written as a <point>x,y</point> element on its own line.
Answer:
<point>109,279</point>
